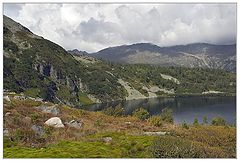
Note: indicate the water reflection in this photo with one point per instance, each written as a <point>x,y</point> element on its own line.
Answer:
<point>186,108</point>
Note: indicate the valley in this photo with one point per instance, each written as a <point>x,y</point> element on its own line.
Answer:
<point>48,89</point>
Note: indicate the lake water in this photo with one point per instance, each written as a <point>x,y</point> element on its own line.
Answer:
<point>184,108</point>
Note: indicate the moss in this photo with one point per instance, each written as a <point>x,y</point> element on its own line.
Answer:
<point>84,99</point>
<point>32,92</point>
<point>121,146</point>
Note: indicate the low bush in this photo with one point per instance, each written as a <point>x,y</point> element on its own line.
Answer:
<point>174,147</point>
<point>141,114</point>
<point>117,111</point>
<point>167,115</point>
<point>205,120</point>
<point>185,125</point>
<point>218,121</point>
<point>195,122</point>
<point>155,121</point>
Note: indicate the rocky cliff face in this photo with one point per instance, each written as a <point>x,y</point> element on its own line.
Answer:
<point>41,68</point>
<point>193,55</point>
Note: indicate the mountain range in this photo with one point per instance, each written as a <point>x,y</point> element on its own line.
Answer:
<point>192,55</point>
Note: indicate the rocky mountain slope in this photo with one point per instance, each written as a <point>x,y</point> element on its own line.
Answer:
<point>192,55</point>
<point>42,69</point>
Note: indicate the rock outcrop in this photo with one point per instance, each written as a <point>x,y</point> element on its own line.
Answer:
<point>75,124</point>
<point>49,109</point>
<point>38,130</point>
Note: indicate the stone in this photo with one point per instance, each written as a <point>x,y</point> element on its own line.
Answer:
<point>107,139</point>
<point>75,124</point>
<point>7,114</point>
<point>5,132</point>
<point>155,133</point>
<point>38,99</point>
<point>38,130</point>
<point>20,97</point>
<point>55,122</point>
<point>128,122</point>
<point>49,109</point>
<point>6,98</point>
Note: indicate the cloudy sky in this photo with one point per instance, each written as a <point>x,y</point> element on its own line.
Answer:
<point>92,27</point>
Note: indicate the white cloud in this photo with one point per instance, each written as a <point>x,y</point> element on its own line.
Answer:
<point>92,27</point>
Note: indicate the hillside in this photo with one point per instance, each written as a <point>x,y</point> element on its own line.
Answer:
<point>192,55</point>
<point>32,131</point>
<point>42,69</point>
<point>39,67</point>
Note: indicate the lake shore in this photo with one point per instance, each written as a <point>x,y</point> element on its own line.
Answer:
<point>101,135</point>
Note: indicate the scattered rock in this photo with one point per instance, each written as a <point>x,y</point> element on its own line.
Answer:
<point>5,132</point>
<point>7,114</point>
<point>35,99</point>
<point>38,99</point>
<point>75,124</point>
<point>20,97</point>
<point>55,122</point>
<point>6,98</point>
<point>128,122</point>
<point>38,130</point>
<point>49,109</point>
<point>107,139</point>
<point>211,92</point>
<point>155,133</point>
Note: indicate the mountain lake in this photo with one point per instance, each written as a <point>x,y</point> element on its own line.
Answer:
<point>184,108</point>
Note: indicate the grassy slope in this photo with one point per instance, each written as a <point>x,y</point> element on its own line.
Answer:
<point>127,139</point>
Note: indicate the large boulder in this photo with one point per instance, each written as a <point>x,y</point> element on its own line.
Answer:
<point>75,124</point>
<point>38,130</point>
<point>55,122</point>
<point>49,109</point>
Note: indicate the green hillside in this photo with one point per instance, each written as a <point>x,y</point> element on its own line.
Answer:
<point>41,68</point>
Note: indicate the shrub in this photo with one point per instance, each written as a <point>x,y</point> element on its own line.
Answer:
<point>175,147</point>
<point>218,121</point>
<point>185,125</point>
<point>35,117</point>
<point>155,121</point>
<point>167,115</point>
<point>205,120</point>
<point>117,111</point>
<point>195,122</point>
<point>19,135</point>
<point>141,114</point>
<point>98,123</point>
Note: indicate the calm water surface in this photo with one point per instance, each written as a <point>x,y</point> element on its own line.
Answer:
<point>185,108</point>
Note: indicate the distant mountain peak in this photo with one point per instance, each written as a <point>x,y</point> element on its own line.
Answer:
<point>77,52</point>
<point>203,55</point>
